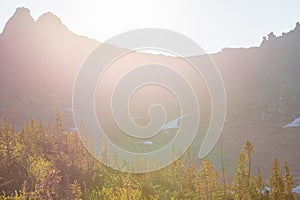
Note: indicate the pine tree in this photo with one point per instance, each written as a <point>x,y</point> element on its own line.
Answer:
<point>189,174</point>
<point>207,181</point>
<point>276,182</point>
<point>249,151</point>
<point>240,181</point>
<point>223,173</point>
<point>59,123</point>
<point>260,184</point>
<point>289,183</point>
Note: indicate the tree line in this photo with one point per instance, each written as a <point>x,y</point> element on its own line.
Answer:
<point>44,161</point>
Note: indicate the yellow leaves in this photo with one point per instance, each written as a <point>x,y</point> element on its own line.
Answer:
<point>120,193</point>
<point>39,167</point>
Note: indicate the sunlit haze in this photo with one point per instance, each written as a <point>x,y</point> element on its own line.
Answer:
<point>212,24</point>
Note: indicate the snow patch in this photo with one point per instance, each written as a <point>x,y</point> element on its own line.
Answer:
<point>296,189</point>
<point>173,124</point>
<point>148,142</point>
<point>267,189</point>
<point>294,123</point>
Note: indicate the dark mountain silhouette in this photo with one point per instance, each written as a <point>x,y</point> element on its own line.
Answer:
<point>39,61</point>
<point>262,85</point>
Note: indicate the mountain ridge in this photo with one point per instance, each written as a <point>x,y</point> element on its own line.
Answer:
<point>23,17</point>
<point>39,61</point>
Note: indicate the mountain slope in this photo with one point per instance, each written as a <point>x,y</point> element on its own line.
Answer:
<point>39,61</point>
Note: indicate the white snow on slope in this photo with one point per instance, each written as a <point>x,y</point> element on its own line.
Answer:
<point>297,189</point>
<point>148,142</point>
<point>173,124</point>
<point>294,123</point>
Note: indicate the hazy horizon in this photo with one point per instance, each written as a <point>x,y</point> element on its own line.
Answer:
<point>214,25</point>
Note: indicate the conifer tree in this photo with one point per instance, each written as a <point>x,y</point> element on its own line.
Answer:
<point>223,173</point>
<point>207,181</point>
<point>260,184</point>
<point>59,123</point>
<point>276,182</point>
<point>240,181</point>
<point>249,151</point>
<point>289,183</point>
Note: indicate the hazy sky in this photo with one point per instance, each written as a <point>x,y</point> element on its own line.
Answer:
<point>212,24</point>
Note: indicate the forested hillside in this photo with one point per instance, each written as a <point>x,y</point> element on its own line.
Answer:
<point>44,161</point>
